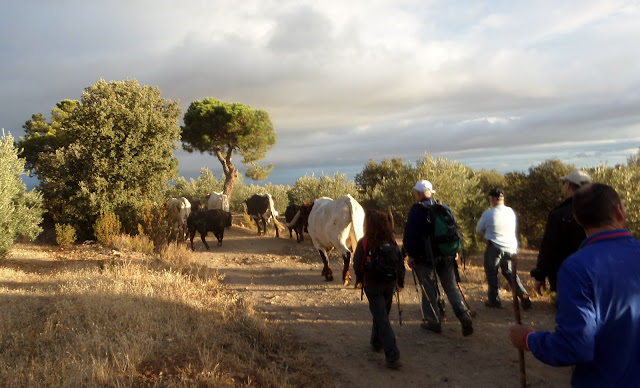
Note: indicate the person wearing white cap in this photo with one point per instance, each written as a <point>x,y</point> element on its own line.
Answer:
<point>562,234</point>
<point>429,264</point>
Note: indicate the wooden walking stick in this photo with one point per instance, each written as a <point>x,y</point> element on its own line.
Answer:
<point>399,308</point>
<point>516,311</point>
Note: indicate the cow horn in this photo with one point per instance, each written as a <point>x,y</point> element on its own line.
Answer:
<point>294,220</point>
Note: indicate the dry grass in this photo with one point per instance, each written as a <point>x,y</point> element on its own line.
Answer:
<point>137,321</point>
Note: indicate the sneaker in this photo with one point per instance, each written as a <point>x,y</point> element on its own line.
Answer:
<point>434,327</point>
<point>395,364</point>
<point>496,304</point>
<point>525,302</point>
<point>467,327</point>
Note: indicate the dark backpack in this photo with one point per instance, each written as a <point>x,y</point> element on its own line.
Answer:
<point>382,262</point>
<point>446,240</point>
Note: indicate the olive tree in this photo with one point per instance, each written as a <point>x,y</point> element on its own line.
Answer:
<point>20,211</point>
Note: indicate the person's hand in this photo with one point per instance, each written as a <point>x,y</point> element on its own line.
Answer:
<point>410,262</point>
<point>518,334</point>
<point>539,286</point>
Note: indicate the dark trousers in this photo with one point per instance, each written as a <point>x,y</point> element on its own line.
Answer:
<point>380,298</point>
<point>495,258</point>
<point>428,275</point>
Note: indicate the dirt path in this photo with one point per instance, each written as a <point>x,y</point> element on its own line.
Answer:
<point>283,278</point>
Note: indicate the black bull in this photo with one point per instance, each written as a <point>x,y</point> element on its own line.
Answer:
<point>208,221</point>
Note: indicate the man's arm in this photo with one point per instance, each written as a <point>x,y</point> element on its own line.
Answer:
<point>549,249</point>
<point>482,223</point>
<point>574,339</point>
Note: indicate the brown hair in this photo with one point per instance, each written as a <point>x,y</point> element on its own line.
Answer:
<point>594,205</point>
<point>377,228</point>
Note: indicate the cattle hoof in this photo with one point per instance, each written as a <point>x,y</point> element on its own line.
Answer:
<point>329,278</point>
<point>347,282</point>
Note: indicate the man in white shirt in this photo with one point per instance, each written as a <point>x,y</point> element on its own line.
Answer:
<point>498,226</point>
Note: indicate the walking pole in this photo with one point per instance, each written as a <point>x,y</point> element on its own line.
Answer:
<point>516,311</point>
<point>425,295</point>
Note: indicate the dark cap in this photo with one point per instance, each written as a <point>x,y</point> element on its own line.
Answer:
<point>497,193</point>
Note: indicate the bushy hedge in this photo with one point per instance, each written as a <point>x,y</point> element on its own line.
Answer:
<point>20,211</point>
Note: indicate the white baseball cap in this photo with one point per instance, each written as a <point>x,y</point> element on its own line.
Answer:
<point>577,177</point>
<point>423,186</point>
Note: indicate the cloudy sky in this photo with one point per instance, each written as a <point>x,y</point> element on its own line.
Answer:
<point>494,84</point>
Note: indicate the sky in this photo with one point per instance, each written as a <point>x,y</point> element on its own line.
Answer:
<point>492,84</point>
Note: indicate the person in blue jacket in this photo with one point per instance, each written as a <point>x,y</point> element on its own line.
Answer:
<point>598,317</point>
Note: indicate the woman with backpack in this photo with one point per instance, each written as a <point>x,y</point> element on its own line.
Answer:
<point>379,268</point>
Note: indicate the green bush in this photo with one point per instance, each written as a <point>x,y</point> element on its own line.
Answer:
<point>110,151</point>
<point>626,181</point>
<point>310,188</point>
<point>20,211</point>
<point>106,228</point>
<point>65,235</point>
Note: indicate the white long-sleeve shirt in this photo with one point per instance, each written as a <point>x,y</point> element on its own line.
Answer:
<point>498,225</point>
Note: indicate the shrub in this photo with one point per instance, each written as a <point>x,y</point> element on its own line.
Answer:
<point>106,228</point>
<point>155,225</point>
<point>137,243</point>
<point>65,235</point>
<point>20,211</point>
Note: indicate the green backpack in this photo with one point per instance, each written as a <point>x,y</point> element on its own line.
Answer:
<point>447,240</point>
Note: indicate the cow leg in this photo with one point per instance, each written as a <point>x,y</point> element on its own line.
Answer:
<point>202,236</point>
<point>264,225</point>
<point>326,271</point>
<point>219,236</point>
<point>192,234</point>
<point>291,233</point>
<point>346,276</point>
<point>275,225</point>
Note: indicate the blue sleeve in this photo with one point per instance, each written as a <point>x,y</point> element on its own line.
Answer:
<point>574,339</point>
<point>413,240</point>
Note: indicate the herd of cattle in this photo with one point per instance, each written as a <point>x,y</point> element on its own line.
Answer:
<point>332,224</point>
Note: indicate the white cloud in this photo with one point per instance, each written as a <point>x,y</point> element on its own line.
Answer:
<point>388,77</point>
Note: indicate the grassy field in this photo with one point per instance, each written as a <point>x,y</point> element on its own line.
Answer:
<point>95,317</point>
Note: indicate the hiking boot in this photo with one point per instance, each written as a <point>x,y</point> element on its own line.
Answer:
<point>395,364</point>
<point>496,304</point>
<point>525,302</point>
<point>467,327</point>
<point>434,327</point>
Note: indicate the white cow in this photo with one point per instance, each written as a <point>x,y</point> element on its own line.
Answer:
<point>333,224</point>
<point>178,212</point>
<point>218,201</point>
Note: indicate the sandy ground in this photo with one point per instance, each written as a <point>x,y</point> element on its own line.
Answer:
<point>283,278</point>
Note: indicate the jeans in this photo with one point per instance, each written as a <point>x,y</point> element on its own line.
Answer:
<point>495,258</point>
<point>443,269</point>
<point>380,298</point>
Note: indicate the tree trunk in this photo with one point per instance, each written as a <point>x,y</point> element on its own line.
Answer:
<point>230,171</point>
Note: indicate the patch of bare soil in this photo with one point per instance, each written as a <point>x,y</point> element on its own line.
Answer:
<point>283,278</point>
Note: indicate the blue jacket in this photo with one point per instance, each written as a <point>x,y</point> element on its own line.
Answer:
<point>598,318</point>
<point>418,228</point>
